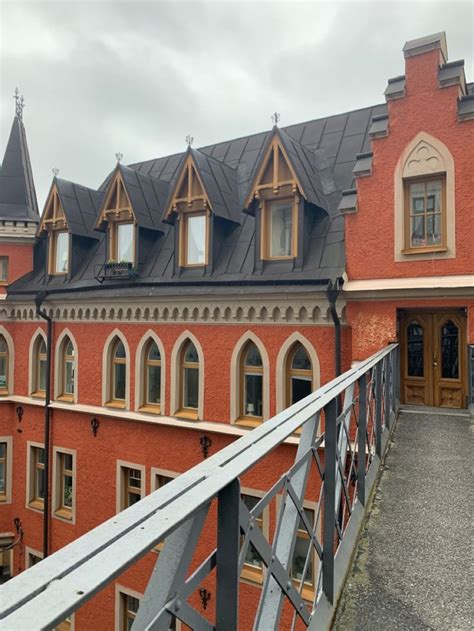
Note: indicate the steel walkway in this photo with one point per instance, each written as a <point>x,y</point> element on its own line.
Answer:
<point>414,564</point>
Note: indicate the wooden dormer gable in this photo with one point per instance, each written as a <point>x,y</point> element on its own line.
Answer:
<point>53,217</point>
<point>189,193</point>
<point>116,206</point>
<point>276,176</point>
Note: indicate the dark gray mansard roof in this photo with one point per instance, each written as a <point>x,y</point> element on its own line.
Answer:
<point>80,205</point>
<point>17,189</point>
<point>323,153</point>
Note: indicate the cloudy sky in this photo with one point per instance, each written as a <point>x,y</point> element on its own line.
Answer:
<point>137,77</point>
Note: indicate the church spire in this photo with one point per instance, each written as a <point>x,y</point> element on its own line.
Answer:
<point>17,189</point>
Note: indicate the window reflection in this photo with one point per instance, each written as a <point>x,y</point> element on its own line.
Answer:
<point>196,240</point>
<point>125,233</point>
<point>281,229</point>
<point>415,350</point>
<point>449,350</point>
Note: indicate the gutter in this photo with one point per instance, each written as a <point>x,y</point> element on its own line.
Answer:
<point>39,299</point>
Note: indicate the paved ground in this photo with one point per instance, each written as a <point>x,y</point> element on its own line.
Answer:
<point>414,566</point>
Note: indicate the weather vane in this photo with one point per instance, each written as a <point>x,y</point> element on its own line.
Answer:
<point>119,156</point>
<point>19,104</point>
<point>189,140</point>
<point>55,171</point>
<point>275,118</point>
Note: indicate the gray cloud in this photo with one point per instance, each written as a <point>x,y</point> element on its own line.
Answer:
<point>136,77</point>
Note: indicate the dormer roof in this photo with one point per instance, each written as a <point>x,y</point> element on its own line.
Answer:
<point>219,183</point>
<point>17,189</point>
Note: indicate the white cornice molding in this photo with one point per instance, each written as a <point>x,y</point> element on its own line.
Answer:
<point>430,285</point>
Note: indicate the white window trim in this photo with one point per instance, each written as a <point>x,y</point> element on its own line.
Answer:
<point>29,551</point>
<point>9,469</point>
<point>176,384</point>
<point>402,171</point>
<point>11,360</point>
<point>59,367</point>
<point>119,590</point>
<point>118,481</point>
<point>29,474</point>
<point>106,368</point>
<point>281,362</point>
<point>140,370</point>
<point>33,359</point>
<point>235,385</point>
<point>157,471</point>
<point>56,484</point>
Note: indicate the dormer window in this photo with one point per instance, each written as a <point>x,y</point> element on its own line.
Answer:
<point>279,219</point>
<point>193,245</point>
<point>122,242</point>
<point>55,224</point>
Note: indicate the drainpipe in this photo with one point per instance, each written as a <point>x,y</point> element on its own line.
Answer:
<point>332,292</point>
<point>39,299</point>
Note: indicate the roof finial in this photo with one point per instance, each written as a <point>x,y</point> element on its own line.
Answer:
<point>275,118</point>
<point>19,104</point>
<point>119,156</point>
<point>189,140</point>
<point>55,171</point>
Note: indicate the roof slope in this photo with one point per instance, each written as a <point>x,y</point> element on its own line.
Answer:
<point>80,205</point>
<point>17,189</point>
<point>147,196</point>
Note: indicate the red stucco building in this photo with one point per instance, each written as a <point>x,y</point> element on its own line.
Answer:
<point>193,297</point>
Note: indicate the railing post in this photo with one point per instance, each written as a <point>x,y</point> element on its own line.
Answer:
<point>378,409</point>
<point>330,435</point>
<point>386,360</point>
<point>396,353</point>
<point>228,545</point>
<point>361,432</point>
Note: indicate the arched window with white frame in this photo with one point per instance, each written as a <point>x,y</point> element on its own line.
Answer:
<point>250,375</point>
<point>187,386</point>
<point>297,371</point>
<point>150,374</point>
<point>116,372</point>
<point>66,377</point>
<point>38,365</point>
<point>4,365</point>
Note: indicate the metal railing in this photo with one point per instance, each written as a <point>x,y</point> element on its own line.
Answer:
<point>344,428</point>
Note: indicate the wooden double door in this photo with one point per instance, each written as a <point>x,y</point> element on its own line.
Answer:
<point>433,362</point>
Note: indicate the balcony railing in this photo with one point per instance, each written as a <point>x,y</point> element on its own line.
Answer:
<point>115,271</point>
<point>344,428</point>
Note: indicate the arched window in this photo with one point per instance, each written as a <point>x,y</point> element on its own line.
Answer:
<point>68,370</point>
<point>152,377</point>
<point>4,366</point>
<point>299,374</point>
<point>118,376</point>
<point>39,368</point>
<point>189,379</point>
<point>251,384</point>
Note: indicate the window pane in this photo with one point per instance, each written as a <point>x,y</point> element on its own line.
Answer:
<point>433,196</point>
<point>3,268</point>
<point>252,356</point>
<point>39,490</point>
<point>70,349</point>
<point>125,242</point>
<point>42,347</point>
<point>191,388</point>
<point>253,395</point>
<point>3,345</point>
<point>3,485</point>
<point>418,231</point>
<point>300,388</point>
<point>299,559</point>
<point>120,350</point>
<point>191,355</point>
<point>67,491</point>
<point>135,478</point>
<point>40,455</point>
<point>196,245</point>
<point>62,252</point>
<point>301,360</point>
<point>119,381</point>
<point>3,372</point>
<point>281,224</point>
<point>42,375</point>
<point>3,450</point>
<point>154,384</point>
<point>252,557</point>
<point>415,350</point>
<point>449,351</point>
<point>153,352</point>
<point>433,229</point>
<point>68,462</point>
<point>69,378</point>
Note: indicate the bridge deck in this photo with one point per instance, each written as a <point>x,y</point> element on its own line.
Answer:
<point>414,566</point>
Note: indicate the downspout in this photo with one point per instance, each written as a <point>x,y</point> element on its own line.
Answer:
<point>39,299</point>
<point>332,293</point>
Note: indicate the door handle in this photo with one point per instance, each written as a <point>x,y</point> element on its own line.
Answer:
<point>435,360</point>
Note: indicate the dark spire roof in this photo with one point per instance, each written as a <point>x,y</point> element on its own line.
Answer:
<point>17,189</point>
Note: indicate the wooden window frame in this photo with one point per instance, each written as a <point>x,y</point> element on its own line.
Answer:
<point>113,239</point>
<point>53,244</point>
<point>266,233</point>
<point>4,265</point>
<point>31,552</point>
<point>6,356</point>
<point>183,219</point>
<point>64,359</point>
<point>111,369</point>
<point>60,510</point>
<point>183,411</point>
<point>154,408</point>
<point>155,473</point>
<point>243,419</point>
<point>408,248</point>
<point>33,467</point>
<point>296,372</point>
<point>38,357</point>
<point>5,460</point>
<point>123,487</point>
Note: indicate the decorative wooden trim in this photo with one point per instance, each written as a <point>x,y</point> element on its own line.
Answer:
<point>53,217</point>
<point>194,197</point>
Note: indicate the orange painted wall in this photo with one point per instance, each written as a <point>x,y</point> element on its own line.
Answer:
<point>370,231</point>
<point>20,260</point>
